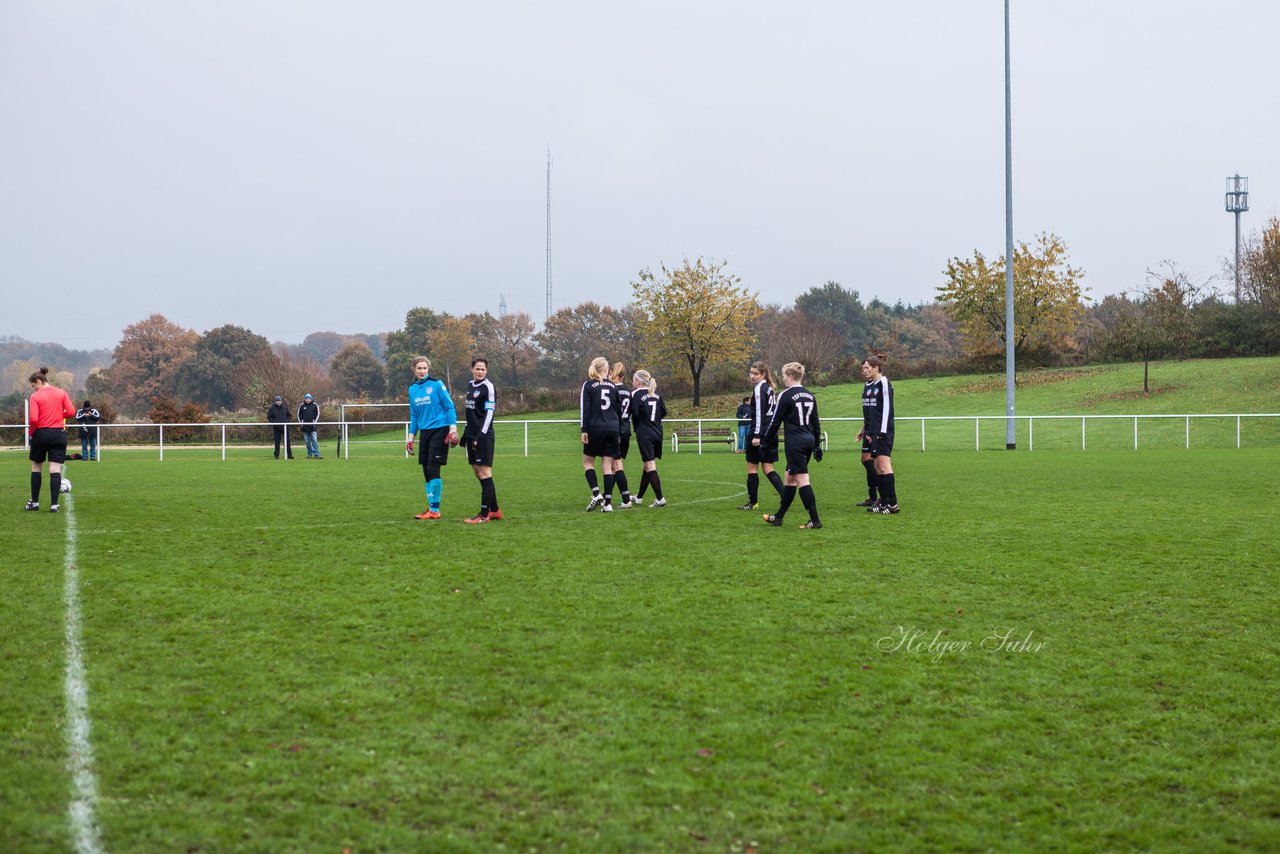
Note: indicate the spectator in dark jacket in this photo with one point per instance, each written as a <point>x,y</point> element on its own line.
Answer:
<point>744,424</point>
<point>278,415</point>
<point>308,415</point>
<point>88,418</point>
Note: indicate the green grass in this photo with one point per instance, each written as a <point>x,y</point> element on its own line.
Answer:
<point>1100,392</point>
<point>280,659</point>
<point>1204,385</point>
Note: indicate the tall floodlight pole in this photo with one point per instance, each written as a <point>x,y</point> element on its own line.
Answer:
<point>1010,375</point>
<point>548,314</point>
<point>1237,203</point>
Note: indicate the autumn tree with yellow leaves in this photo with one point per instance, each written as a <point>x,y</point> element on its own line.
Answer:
<point>694,315</point>
<point>1047,299</point>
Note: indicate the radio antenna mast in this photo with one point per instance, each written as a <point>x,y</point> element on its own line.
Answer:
<point>548,314</point>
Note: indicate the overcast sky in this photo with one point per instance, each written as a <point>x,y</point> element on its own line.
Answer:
<point>295,166</point>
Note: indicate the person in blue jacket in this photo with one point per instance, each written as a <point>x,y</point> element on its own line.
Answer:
<point>431,412</point>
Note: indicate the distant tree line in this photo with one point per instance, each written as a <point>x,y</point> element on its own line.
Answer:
<point>696,325</point>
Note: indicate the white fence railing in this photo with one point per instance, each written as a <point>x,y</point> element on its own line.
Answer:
<point>716,433</point>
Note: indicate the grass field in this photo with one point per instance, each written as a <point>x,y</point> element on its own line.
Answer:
<point>1058,651</point>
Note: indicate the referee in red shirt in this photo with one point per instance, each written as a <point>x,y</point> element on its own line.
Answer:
<point>49,410</point>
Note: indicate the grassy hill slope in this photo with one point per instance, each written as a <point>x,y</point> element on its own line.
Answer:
<point>1193,386</point>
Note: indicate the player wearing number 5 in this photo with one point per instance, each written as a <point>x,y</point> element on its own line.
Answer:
<point>798,411</point>
<point>431,412</point>
<point>598,411</point>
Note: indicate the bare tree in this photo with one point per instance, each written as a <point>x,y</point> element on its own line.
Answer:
<point>793,335</point>
<point>269,374</point>
<point>1157,322</point>
<point>508,341</point>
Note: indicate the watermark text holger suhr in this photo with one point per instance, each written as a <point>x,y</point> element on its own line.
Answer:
<point>1001,639</point>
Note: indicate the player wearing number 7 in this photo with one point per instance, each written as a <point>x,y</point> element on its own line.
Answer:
<point>798,411</point>
<point>647,412</point>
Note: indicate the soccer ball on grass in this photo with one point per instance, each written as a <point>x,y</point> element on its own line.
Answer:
<point>66,486</point>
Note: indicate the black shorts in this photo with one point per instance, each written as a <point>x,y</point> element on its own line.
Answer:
<point>798,460</point>
<point>879,445</point>
<point>762,453</point>
<point>49,443</point>
<point>433,446</point>
<point>650,445</point>
<point>480,449</point>
<point>624,445</point>
<point>601,445</point>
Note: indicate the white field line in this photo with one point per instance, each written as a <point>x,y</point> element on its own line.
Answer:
<point>84,795</point>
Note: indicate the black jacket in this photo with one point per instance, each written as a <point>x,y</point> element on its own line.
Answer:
<point>278,414</point>
<point>308,414</point>
<point>88,419</point>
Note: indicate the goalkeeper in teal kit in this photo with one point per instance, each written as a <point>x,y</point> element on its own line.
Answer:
<point>431,413</point>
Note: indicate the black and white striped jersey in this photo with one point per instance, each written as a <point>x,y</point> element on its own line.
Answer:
<point>877,406</point>
<point>598,407</point>
<point>481,403</point>
<point>762,406</point>
<point>796,414</point>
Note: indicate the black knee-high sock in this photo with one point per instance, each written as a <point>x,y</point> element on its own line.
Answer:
<point>776,480</point>
<point>788,495</point>
<point>55,487</point>
<point>486,496</point>
<point>35,486</point>
<point>753,488</point>
<point>888,493</point>
<point>620,478</point>
<point>644,484</point>
<point>608,489</point>
<point>872,477</point>
<point>656,483</point>
<point>493,496</point>
<point>809,501</point>
<point>592,482</point>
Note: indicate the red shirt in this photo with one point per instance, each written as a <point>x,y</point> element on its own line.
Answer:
<point>50,407</point>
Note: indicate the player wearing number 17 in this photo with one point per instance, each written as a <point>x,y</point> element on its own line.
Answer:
<point>431,412</point>
<point>798,411</point>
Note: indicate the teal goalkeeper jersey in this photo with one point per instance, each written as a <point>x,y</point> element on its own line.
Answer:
<point>430,406</point>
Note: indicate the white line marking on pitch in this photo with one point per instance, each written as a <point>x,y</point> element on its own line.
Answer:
<point>84,795</point>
